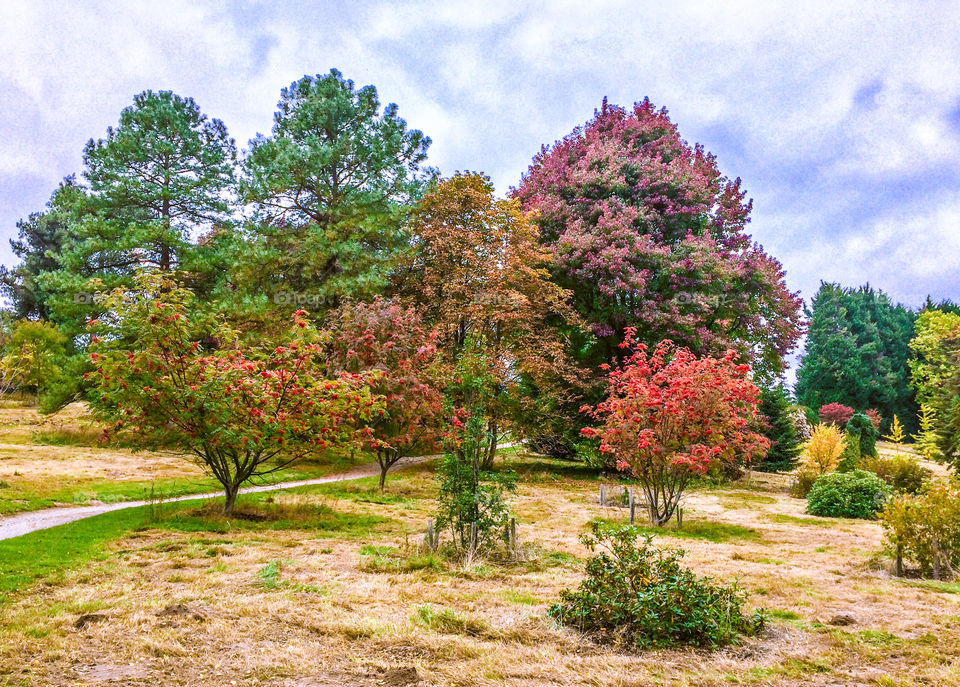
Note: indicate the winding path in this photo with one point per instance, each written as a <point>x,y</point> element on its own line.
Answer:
<point>31,521</point>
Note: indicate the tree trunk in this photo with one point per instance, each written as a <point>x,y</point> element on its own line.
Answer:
<point>384,466</point>
<point>229,498</point>
<point>491,450</point>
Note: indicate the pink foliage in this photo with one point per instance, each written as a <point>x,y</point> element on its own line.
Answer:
<point>836,414</point>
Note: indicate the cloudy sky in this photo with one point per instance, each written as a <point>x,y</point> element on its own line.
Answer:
<point>842,118</point>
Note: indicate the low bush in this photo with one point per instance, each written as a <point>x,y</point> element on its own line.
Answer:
<point>856,494</point>
<point>638,594</point>
<point>821,455</point>
<point>925,528</point>
<point>903,473</point>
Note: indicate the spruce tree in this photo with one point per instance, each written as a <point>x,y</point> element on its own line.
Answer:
<point>785,444</point>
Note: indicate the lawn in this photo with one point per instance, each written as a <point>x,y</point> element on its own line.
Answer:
<point>47,461</point>
<point>326,585</point>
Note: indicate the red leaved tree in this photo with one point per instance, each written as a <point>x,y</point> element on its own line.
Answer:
<point>390,341</point>
<point>240,411</point>
<point>836,414</point>
<point>668,414</point>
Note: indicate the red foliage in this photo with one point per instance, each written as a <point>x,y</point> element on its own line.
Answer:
<point>669,414</point>
<point>836,414</point>
<point>875,417</point>
<point>390,344</point>
<point>647,232</point>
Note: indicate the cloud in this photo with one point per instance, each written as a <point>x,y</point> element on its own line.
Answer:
<point>843,120</point>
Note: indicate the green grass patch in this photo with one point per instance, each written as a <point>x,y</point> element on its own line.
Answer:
<point>934,586</point>
<point>448,621</point>
<point>797,520</point>
<point>519,597</point>
<point>708,530</point>
<point>782,615</point>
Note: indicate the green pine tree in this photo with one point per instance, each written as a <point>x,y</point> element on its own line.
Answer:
<point>785,444</point>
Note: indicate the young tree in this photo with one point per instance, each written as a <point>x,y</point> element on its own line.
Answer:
<point>926,438</point>
<point>669,414</point>
<point>33,356</point>
<point>780,430</point>
<point>390,341</point>
<point>896,435</point>
<point>646,232</point>
<point>241,412</point>
<point>479,276</point>
<point>157,180</point>
<point>857,352</point>
<point>332,187</point>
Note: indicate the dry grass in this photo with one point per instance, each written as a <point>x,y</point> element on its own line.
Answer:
<point>298,607</point>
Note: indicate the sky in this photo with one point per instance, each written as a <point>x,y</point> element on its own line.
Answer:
<point>841,118</point>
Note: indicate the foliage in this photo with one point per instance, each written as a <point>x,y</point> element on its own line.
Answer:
<point>926,528</point>
<point>851,452</point>
<point>780,430</point>
<point>836,414</point>
<point>33,357</point>
<point>936,376</point>
<point>636,593</point>
<point>668,415</point>
<point>903,473</point>
<point>478,276</point>
<point>159,178</point>
<point>388,339</point>
<point>856,494</point>
<point>926,439</point>
<point>801,422</point>
<point>857,351</point>
<point>241,412</point>
<point>647,233</point>
<point>896,435</point>
<point>876,419</point>
<point>864,427</point>
<point>471,500</point>
<point>331,187</point>
<point>822,452</point>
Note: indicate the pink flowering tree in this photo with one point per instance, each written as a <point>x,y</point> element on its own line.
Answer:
<point>646,232</point>
<point>668,414</point>
<point>240,412</point>
<point>390,341</point>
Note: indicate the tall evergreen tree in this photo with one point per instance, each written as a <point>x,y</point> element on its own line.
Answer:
<point>153,184</point>
<point>857,353</point>
<point>780,429</point>
<point>331,187</point>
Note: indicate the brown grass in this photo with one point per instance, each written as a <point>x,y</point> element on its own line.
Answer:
<point>288,608</point>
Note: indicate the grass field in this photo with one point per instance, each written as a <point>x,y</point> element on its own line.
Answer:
<point>52,460</point>
<point>327,585</point>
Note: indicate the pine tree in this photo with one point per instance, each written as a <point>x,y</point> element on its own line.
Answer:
<point>785,444</point>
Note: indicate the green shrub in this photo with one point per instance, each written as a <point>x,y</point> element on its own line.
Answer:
<point>925,528</point>
<point>863,425</point>
<point>903,473</point>
<point>638,594</point>
<point>857,494</point>
<point>851,452</point>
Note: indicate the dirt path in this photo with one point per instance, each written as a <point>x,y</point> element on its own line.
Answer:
<point>31,521</point>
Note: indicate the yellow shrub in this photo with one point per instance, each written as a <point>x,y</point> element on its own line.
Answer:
<point>822,452</point>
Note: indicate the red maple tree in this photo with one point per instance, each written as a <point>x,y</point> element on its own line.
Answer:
<point>668,414</point>
<point>389,343</point>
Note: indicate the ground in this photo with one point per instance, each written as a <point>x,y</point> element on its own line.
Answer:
<point>330,585</point>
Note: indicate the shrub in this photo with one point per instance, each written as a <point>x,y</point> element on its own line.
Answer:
<point>821,455</point>
<point>876,419</point>
<point>862,425</point>
<point>857,494</point>
<point>925,529</point>
<point>636,593</point>
<point>851,452</point>
<point>836,414</point>
<point>903,473</point>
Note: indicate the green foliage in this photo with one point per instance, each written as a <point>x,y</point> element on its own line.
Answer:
<point>857,494</point>
<point>781,430</point>
<point>925,528</point>
<point>159,178</point>
<point>862,425</point>
<point>851,452</point>
<point>936,375</point>
<point>903,473</point>
<point>331,188</point>
<point>857,352</point>
<point>636,593</point>
<point>34,359</point>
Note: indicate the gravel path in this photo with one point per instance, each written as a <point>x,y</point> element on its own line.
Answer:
<point>31,521</point>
